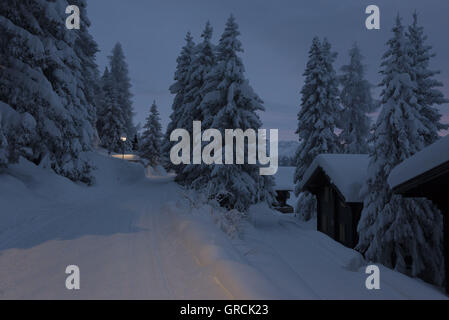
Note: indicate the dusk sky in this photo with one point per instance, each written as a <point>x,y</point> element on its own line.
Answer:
<point>276,36</point>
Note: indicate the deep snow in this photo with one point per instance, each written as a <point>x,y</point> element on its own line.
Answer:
<point>136,234</point>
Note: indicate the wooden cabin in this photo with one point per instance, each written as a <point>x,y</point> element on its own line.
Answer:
<point>426,174</point>
<point>284,188</point>
<point>336,180</point>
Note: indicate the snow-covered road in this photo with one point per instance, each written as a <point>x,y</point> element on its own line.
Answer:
<point>137,237</point>
<point>116,235</point>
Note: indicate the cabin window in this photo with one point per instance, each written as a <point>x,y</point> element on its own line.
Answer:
<point>342,233</point>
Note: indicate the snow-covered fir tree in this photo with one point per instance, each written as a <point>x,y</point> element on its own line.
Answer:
<point>18,132</point>
<point>426,86</point>
<point>43,81</point>
<point>404,234</point>
<point>136,142</point>
<point>202,63</point>
<point>112,125</point>
<point>317,118</point>
<point>230,102</point>
<point>86,49</point>
<point>357,102</point>
<point>4,154</point>
<point>119,72</point>
<point>101,102</point>
<point>182,76</point>
<point>150,144</point>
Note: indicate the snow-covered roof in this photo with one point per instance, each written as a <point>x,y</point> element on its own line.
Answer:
<point>346,171</point>
<point>423,161</point>
<point>284,178</point>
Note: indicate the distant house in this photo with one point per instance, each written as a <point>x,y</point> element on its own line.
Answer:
<point>128,157</point>
<point>336,180</point>
<point>284,188</point>
<point>426,174</point>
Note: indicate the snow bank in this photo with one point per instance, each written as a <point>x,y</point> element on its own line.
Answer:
<point>346,171</point>
<point>308,264</point>
<point>262,217</point>
<point>423,161</point>
<point>110,171</point>
<point>214,251</point>
<point>157,171</point>
<point>26,178</point>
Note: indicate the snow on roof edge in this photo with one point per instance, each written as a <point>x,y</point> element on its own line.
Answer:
<point>346,171</point>
<point>430,157</point>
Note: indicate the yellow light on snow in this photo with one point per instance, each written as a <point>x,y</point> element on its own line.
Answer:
<point>125,156</point>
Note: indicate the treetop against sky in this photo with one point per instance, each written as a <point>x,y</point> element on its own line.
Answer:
<point>276,36</point>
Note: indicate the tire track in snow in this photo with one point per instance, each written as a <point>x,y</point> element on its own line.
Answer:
<point>158,259</point>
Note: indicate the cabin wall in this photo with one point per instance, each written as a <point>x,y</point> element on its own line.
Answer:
<point>282,196</point>
<point>281,204</point>
<point>433,186</point>
<point>347,223</point>
<point>356,214</point>
<point>446,244</point>
<point>336,218</point>
<point>441,200</point>
<point>326,211</point>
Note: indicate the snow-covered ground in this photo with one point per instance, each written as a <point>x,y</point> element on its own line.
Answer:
<point>309,264</point>
<point>136,234</point>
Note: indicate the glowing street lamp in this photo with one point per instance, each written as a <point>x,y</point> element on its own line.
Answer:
<point>123,139</point>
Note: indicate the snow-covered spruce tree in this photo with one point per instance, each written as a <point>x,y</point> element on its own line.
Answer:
<point>17,131</point>
<point>119,72</point>
<point>86,49</point>
<point>317,118</point>
<point>178,89</point>
<point>150,145</point>
<point>426,86</point>
<point>42,80</point>
<point>357,102</point>
<point>4,154</point>
<point>113,119</point>
<point>136,142</point>
<point>101,103</point>
<point>404,234</point>
<point>202,63</point>
<point>230,103</point>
